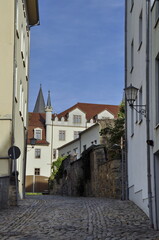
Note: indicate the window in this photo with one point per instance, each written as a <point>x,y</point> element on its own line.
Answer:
<point>21,99</point>
<point>16,82</point>
<point>77,118</point>
<point>23,49</point>
<point>21,39</point>
<point>131,5</point>
<point>38,134</point>
<point>62,135</point>
<point>132,56</point>
<point>17,19</point>
<point>140,29</point>
<point>54,153</point>
<point>25,113</point>
<point>37,171</point>
<point>84,147</point>
<point>37,153</point>
<point>132,122</point>
<point>157,89</point>
<point>26,65</point>
<point>76,134</point>
<point>137,114</point>
<point>140,103</point>
<point>157,11</point>
<point>75,152</point>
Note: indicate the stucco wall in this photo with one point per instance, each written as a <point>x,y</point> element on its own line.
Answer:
<point>136,128</point>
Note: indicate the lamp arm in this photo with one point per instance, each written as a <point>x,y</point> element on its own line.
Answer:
<point>140,110</point>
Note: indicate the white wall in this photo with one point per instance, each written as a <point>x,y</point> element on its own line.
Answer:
<point>85,138</point>
<point>137,148</point>
<point>105,114</point>
<point>44,163</point>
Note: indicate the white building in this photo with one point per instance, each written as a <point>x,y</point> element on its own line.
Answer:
<point>56,130</point>
<point>142,71</point>
<point>87,138</point>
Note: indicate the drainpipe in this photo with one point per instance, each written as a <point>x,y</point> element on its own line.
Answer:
<point>148,111</point>
<point>126,195</point>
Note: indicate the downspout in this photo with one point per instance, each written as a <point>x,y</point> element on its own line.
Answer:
<point>148,111</point>
<point>126,195</point>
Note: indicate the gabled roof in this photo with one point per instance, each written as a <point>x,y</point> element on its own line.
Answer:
<point>37,120</point>
<point>40,103</point>
<point>91,109</point>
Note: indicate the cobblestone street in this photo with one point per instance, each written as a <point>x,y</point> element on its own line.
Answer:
<point>71,218</point>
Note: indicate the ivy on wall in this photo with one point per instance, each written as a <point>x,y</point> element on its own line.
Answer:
<point>115,132</point>
<point>57,169</point>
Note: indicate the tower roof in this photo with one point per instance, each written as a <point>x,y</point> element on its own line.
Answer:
<point>40,103</point>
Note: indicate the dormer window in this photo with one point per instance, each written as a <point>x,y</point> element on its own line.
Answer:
<point>77,119</point>
<point>38,133</point>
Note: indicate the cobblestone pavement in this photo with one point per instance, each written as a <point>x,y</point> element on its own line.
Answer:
<point>71,218</point>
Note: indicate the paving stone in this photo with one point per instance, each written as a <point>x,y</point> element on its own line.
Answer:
<point>51,217</point>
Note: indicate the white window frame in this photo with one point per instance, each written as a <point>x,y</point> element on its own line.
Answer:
<point>140,105</point>
<point>54,153</point>
<point>140,28</point>
<point>16,83</point>
<point>132,56</point>
<point>157,88</point>
<point>62,135</point>
<point>20,98</point>
<point>156,12</point>
<point>131,5</point>
<point>17,18</point>
<point>77,119</point>
<point>38,133</point>
<point>26,65</point>
<point>21,39</point>
<point>37,153</point>
<point>76,134</point>
<point>132,121</point>
<point>25,114</point>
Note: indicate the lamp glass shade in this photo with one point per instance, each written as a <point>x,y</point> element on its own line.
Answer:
<point>33,141</point>
<point>131,94</point>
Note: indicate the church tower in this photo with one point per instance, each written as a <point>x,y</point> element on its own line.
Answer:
<point>48,111</point>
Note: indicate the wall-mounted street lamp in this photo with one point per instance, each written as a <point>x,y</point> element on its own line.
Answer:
<point>33,142</point>
<point>131,95</point>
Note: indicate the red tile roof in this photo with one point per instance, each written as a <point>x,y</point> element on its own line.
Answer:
<point>37,120</point>
<point>91,109</point>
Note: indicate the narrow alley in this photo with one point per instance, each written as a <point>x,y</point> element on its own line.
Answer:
<point>74,218</point>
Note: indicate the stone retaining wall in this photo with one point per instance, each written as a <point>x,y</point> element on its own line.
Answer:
<point>92,175</point>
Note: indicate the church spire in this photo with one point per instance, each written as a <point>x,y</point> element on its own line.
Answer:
<point>40,103</point>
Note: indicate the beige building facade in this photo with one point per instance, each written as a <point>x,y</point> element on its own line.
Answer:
<point>18,16</point>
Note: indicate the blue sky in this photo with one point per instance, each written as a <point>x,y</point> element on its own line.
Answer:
<point>77,52</point>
